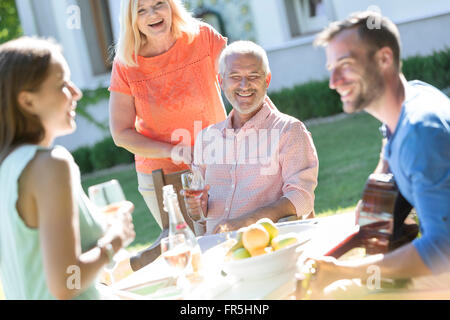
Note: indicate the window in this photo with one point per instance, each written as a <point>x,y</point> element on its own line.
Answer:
<point>98,33</point>
<point>307,16</point>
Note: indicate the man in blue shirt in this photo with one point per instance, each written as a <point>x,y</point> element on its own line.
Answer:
<point>363,57</point>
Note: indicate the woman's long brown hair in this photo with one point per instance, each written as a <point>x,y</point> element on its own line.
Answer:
<point>24,65</point>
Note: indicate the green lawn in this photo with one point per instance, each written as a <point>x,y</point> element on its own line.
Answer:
<point>348,152</point>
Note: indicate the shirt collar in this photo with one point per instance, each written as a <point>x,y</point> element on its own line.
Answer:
<point>410,93</point>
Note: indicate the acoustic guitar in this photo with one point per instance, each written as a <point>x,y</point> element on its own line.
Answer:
<point>384,226</point>
<point>383,219</point>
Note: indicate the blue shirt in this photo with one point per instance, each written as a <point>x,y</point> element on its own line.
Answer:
<point>418,153</point>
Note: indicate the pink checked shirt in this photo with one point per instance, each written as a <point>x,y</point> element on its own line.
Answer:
<point>270,157</point>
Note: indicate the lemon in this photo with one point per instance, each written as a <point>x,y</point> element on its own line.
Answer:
<point>241,253</point>
<point>269,226</point>
<point>283,240</point>
<point>239,243</point>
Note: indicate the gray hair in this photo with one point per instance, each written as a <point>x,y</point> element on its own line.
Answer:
<point>243,47</point>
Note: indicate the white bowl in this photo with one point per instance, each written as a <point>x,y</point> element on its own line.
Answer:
<point>271,263</point>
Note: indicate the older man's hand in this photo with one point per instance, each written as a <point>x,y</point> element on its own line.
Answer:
<point>195,206</point>
<point>227,225</point>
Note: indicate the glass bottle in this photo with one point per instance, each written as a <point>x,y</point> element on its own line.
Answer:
<point>177,225</point>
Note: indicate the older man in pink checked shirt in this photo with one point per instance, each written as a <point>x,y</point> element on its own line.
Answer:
<point>259,162</point>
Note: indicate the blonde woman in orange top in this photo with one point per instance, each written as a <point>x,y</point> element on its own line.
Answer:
<point>164,87</point>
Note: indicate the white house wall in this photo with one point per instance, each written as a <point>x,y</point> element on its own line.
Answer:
<point>114,11</point>
<point>270,22</point>
<point>299,62</point>
<point>296,64</point>
<point>423,28</point>
<point>74,43</point>
<point>422,37</point>
<point>397,10</point>
<point>26,16</point>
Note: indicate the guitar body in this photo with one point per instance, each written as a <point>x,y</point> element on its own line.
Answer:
<point>383,221</point>
<point>384,226</point>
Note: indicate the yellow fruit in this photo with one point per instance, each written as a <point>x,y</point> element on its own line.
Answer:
<point>283,240</point>
<point>254,237</point>
<point>257,252</point>
<point>240,253</point>
<point>239,243</point>
<point>260,251</point>
<point>269,226</point>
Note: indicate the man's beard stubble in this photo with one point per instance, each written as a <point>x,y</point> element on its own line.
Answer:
<point>372,88</point>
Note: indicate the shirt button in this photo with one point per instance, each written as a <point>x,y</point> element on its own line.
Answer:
<point>226,209</point>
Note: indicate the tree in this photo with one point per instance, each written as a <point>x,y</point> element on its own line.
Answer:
<point>10,27</point>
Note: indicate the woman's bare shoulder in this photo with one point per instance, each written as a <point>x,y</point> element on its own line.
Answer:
<point>46,177</point>
<point>50,165</point>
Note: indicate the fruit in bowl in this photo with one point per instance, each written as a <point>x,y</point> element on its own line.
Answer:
<point>259,239</point>
<point>283,240</point>
<point>241,253</point>
<point>255,238</point>
<point>269,226</point>
<point>258,253</point>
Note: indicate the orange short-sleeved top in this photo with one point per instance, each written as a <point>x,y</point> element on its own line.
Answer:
<point>174,91</point>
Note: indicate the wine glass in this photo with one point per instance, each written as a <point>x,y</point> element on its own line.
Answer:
<point>194,186</point>
<point>177,253</point>
<point>109,197</point>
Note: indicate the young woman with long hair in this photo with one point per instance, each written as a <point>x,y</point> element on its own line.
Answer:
<point>52,241</point>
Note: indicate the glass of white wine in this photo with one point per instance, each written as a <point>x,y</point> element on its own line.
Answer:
<point>109,197</point>
<point>106,195</point>
<point>177,253</point>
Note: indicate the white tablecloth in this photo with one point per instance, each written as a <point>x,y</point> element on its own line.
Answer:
<point>328,232</point>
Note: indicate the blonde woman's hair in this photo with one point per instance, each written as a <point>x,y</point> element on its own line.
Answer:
<point>131,39</point>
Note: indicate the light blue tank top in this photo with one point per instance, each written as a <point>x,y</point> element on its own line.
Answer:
<point>21,265</point>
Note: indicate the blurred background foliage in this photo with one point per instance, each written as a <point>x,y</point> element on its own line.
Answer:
<point>10,27</point>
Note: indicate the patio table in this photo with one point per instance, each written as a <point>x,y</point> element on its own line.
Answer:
<point>328,232</point>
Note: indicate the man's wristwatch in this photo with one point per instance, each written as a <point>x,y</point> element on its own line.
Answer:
<point>108,248</point>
